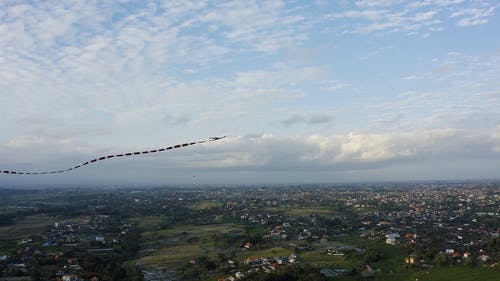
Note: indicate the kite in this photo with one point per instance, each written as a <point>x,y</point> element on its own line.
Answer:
<point>113,156</point>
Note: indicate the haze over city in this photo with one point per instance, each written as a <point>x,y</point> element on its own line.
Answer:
<point>306,91</point>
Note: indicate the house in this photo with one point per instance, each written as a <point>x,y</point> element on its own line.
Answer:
<point>253,261</point>
<point>391,238</point>
<point>17,266</point>
<point>370,270</point>
<point>327,272</point>
<point>280,260</point>
<point>484,258</point>
<point>268,268</point>
<point>410,260</point>
<point>25,241</point>
<point>247,245</point>
<point>410,235</point>
<point>304,234</point>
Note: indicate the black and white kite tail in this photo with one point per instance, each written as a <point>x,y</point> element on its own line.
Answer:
<point>114,156</point>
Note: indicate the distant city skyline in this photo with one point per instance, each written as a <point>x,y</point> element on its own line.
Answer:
<point>306,91</point>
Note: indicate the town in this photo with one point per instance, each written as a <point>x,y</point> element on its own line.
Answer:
<point>393,231</point>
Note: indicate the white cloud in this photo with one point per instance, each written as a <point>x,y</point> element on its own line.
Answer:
<point>343,152</point>
<point>320,118</point>
<point>306,154</point>
<point>495,139</point>
<point>473,16</point>
<point>376,52</point>
<point>313,118</point>
<point>177,120</point>
<point>81,77</point>
<point>409,77</point>
<point>293,119</point>
<point>258,25</point>
<point>376,3</point>
<point>422,17</point>
<point>71,63</point>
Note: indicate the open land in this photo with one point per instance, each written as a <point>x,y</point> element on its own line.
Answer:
<point>399,231</point>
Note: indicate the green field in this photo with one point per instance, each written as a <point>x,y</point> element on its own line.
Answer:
<point>266,253</point>
<point>30,225</point>
<point>173,247</point>
<point>446,274</point>
<point>200,231</point>
<point>6,247</point>
<point>205,205</point>
<point>301,212</point>
<point>319,259</point>
<point>26,227</point>
<point>149,223</point>
<point>172,257</point>
<point>305,212</point>
<point>14,210</point>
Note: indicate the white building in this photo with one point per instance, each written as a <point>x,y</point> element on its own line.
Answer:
<point>392,238</point>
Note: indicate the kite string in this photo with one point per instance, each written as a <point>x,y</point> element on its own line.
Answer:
<point>114,156</point>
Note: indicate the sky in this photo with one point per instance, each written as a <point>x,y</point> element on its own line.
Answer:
<point>306,91</point>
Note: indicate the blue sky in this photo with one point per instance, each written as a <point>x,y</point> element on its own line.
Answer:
<point>307,91</point>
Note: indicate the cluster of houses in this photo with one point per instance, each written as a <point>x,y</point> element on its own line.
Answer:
<point>450,213</point>
<point>90,228</point>
<point>89,232</point>
<point>406,215</point>
<point>396,215</point>
<point>340,250</point>
<point>72,271</point>
<point>264,264</point>
<point>458,219</point>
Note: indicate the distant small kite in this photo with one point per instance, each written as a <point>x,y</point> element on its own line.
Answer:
<point>114,156</point>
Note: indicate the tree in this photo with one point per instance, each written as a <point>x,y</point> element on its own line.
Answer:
<point>470,261</point>
<point>312,277</point>
<point>35,272</point>
<point>440,259</point>
<point>221,257</point>
<point>372,255</point>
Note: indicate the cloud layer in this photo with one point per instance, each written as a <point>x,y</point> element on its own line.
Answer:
<point>298,86</point>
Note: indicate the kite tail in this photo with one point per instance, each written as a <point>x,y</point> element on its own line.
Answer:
<point>114,156</point>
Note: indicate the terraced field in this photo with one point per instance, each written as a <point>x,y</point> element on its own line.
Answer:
<point>30,225</point>
<point>176,246</point>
